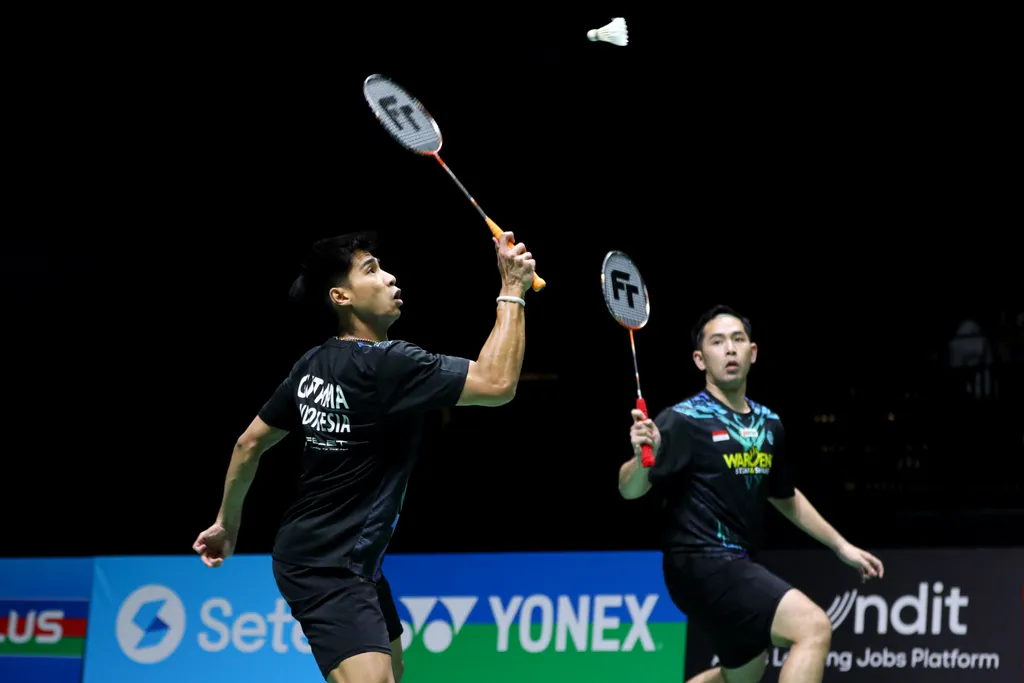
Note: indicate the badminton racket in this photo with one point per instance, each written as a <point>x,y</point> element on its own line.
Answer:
<point>408,122</point>
<point>625,295</point>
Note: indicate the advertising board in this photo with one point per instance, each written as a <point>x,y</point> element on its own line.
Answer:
<point>938,616</point>
<point>503,617</point>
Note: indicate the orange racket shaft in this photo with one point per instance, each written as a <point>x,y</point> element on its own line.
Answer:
<point>646,452</point>
<point>538,282</point>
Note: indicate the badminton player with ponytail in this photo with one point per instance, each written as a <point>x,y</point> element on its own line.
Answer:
<point>358,400</point>
<point>718,458</point>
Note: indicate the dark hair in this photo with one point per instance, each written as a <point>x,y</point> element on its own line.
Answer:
<point>327,264</point>
<point>697,334</point>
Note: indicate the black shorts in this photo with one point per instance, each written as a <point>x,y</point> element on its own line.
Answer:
<point>341,614</point>
<point>729,597</point>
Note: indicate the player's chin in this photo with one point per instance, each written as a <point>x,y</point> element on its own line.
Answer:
<point>731,378</point>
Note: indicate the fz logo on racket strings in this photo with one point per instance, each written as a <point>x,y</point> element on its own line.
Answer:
<point>388,103</point>
<point>619,278</point>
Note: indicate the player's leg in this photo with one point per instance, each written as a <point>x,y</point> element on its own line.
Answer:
<point>751,672</point>
<point>397,662</point>
<point>341,618</point>
<point>366,667</point>
<point>709,590</point>
<point>805,629</point>
<point>394,626</point>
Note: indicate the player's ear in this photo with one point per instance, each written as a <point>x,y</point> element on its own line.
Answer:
<point>753,352</point>
<point>340,296</point>
<point>698,360</point>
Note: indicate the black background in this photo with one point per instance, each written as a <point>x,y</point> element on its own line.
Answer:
<point>843,178</point>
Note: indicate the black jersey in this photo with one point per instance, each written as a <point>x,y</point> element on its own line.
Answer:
<point>715,469</point>
<point>360,409</point>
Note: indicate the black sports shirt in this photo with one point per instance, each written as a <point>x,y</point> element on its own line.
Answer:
<point>360,408</point>
<point>715,469</point>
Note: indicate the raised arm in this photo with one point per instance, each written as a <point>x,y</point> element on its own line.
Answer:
<point>493,377</point>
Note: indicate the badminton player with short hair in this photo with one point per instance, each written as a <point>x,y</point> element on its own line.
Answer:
<point>719,456</point>
<point>358,400</point>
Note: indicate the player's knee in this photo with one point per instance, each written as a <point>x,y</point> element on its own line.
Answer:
<point>818,628</point>
<point>799,620</point>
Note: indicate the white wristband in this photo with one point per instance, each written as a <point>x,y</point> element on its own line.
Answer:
<point>513,299</point>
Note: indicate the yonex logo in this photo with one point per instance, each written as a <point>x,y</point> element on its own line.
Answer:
<point>840,608</point>
<point>150,624</point>
<point>437,636</point>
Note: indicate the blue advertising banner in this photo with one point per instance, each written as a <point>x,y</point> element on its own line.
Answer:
<point>44,609</point>
<point>507,617</point>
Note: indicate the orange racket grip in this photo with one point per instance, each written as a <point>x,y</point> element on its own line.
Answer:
<point>646,452</point>
<point>538,282</point>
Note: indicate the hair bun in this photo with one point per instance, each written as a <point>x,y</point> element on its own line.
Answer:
<point>299,291</point>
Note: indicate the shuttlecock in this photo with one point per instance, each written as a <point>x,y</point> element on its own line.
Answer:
<point>614,33</point>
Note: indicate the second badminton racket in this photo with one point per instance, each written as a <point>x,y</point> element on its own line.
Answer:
<point>625,295</point>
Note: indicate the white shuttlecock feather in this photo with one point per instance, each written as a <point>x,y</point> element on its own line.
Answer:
<point>614,33</point>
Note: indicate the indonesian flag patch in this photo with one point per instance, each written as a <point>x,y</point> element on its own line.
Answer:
<point>720,435</point>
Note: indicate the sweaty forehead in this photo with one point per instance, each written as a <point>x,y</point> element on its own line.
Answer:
<point>723,324</point>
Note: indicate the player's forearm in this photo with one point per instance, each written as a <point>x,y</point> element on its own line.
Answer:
<point>501,358</point>
<point>241,471</point>
<point>801,513</point>
<point>633,482</point>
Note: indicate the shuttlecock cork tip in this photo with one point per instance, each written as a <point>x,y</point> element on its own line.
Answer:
<point>592,34</point>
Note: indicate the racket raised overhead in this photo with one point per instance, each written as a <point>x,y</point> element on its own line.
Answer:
<point>402,115</point>
<point>625,295</point>
<point>407,121</point>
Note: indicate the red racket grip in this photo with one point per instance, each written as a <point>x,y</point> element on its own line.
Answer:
<point>646,452</point>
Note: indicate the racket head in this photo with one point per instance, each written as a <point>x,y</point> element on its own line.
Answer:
<point>402,115</point>
<point>625,293</point>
